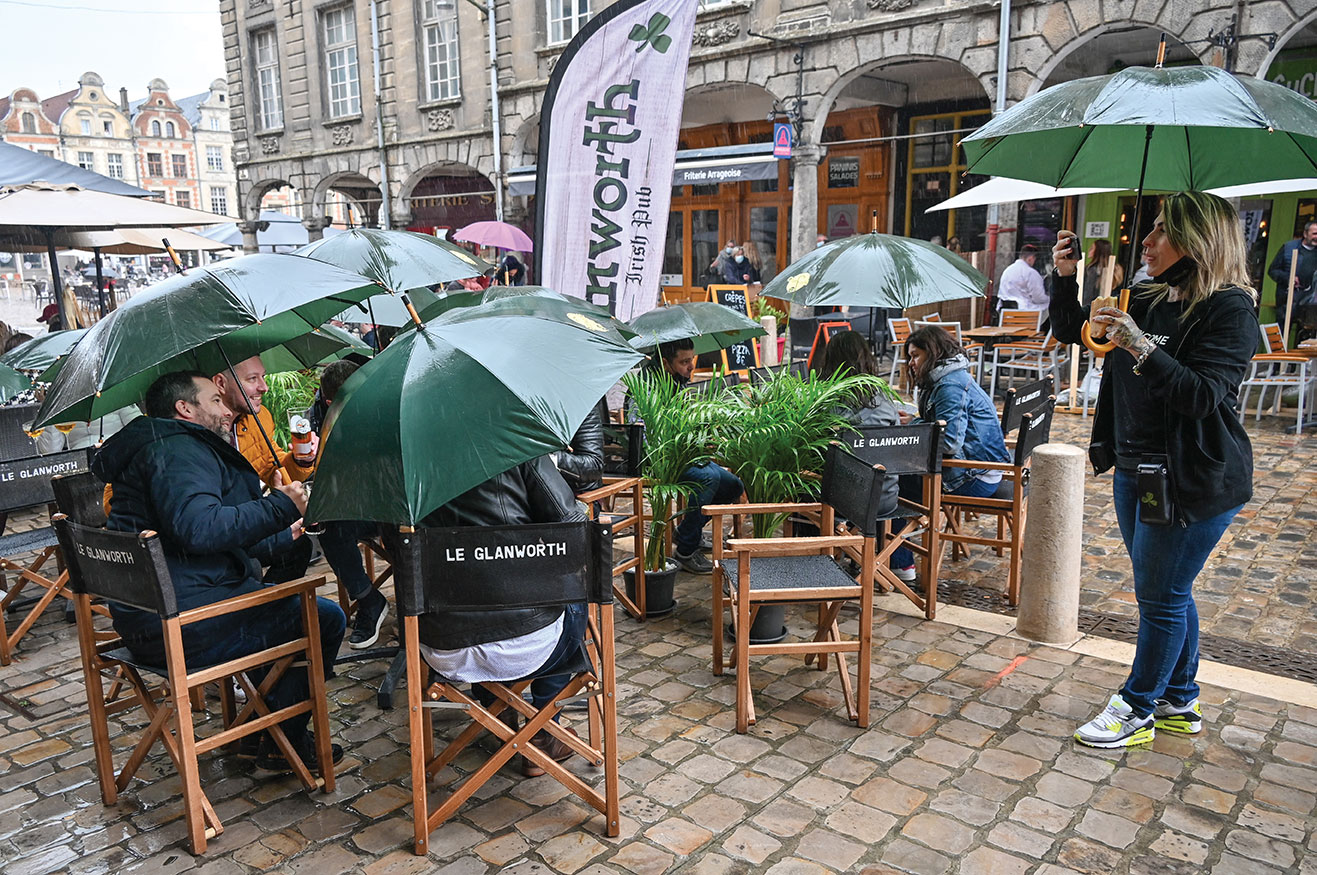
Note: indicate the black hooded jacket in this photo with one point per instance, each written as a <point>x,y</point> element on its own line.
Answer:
<point>204,499</point>
<point>1209,456</point>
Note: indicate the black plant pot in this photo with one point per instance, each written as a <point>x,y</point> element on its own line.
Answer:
<point>658,589</point>
<point>769,626</point>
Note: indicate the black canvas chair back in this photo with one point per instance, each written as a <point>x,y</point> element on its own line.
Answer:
<point>482,568</point>
<point>80,497</point>
<point>854,489</point>
<point>900,449</point>
<point>15,442</point>
<point>624,448</point>
<point>474,568</point>
<point>1035,430</point>
<point>764,374</point>
<point>117,566</point>
<point>26,482</point>
<point>1026,399</point>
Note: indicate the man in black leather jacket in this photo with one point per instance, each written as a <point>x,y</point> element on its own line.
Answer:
<point>504,645</point>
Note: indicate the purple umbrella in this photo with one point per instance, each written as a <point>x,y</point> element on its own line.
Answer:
<point>499,235</point>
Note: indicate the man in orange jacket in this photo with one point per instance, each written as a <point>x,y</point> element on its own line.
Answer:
<point>243,395</point>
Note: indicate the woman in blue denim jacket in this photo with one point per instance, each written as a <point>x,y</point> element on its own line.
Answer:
<point>944,390</point>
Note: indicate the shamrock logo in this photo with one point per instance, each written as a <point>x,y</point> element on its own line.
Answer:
<point>1149,499</point>
<point>652,34</point>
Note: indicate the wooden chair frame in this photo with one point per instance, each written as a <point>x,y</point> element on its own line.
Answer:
<point>1011,513</point>
<point>1278,369</point>
<point>744,601</point>
<point>43,544</point>
<point>596,682</point>
<point>141,559</point>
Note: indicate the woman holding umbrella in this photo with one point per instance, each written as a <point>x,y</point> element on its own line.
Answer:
<point>1166,422</point>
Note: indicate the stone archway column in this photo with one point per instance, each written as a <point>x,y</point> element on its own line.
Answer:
<point>804,208</point>
<point>248,231</point>
<point>400,215</point>
<point>315,227</point>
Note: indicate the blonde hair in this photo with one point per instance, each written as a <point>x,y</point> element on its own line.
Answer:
<point>752,254</point>
<point>1205,228</point>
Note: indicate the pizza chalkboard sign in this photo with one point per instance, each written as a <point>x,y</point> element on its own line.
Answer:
<point>738,356</point>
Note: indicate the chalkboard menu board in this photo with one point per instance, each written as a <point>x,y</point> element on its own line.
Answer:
<point>738,356</point>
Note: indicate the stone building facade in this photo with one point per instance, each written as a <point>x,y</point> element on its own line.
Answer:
<point>878,91</point>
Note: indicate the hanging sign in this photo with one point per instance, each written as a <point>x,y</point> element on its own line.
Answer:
<point>781,140</point>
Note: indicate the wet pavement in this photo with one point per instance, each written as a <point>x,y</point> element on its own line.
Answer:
<point>967,765</point>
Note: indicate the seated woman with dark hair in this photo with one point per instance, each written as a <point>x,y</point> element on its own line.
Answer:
<point>849,353</point>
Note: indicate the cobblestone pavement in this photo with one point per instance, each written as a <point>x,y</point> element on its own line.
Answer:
<point>967,767</point>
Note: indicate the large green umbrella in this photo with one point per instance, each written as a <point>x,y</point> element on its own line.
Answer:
<point>711,326</point>
<point>398,260</point>
<point>1201,127</point>
<point>323,345</point>
<point>1168,129</point>
<point>450,405</point>
<point>41,352</point>
<point>537,301</point>
<point>12,383</point>
<point>877,270</point>
<point>203,319</point>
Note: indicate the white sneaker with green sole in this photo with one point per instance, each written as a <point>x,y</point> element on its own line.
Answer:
<point>1187,719</point>
<point>1116,726</point>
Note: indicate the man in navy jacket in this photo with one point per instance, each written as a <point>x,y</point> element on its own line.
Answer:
<point>174,471</point>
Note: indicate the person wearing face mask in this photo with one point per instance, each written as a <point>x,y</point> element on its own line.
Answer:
<point>722,264</point>
<point>1166,422</point>
<point>739,271</point>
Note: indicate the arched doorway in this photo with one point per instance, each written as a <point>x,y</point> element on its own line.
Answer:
<point>445,197</point>
<point>912,113</point>
<point>350,200</point>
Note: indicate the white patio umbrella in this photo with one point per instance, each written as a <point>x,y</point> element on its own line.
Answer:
<point>1002,190</point>
<point>139,241</point>
<point>39,210</point>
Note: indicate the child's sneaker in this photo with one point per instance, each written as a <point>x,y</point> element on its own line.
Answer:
<point>1178,718</point>
<point>1116,726</point>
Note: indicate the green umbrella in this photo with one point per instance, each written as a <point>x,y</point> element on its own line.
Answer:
<point>1182,128</point>
<point>398,260</point>
<point>323,345</point>
<point>448,406</point>
<point>711,326</point>
<point>202,319</point>
<point>12,383</point>
<point>41,352</point>
<point>877,270</point>
<point>1200,127</point>
<point>535,301</point>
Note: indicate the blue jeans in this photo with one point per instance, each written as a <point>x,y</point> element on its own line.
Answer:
<point>339,543</point>
<point>1166,560</point>
<point>546,685</point>
<point>912,489</point>
<point>714,484</point>
<point>253,630</point>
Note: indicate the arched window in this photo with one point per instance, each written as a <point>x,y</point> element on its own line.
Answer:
<point>29,123</point>
<point>169,129</point>
<point>155,129</point>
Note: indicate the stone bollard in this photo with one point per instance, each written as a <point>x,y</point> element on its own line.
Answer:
<point>1050,563</point>
<point>768,345</point>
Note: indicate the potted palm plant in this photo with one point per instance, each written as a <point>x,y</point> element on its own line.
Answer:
<point>676,438</point>
<point>774,437</point>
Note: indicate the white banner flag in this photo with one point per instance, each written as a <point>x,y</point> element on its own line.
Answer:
<point>608,140</point>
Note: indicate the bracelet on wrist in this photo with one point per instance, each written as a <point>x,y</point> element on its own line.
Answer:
<point>1142,356</point>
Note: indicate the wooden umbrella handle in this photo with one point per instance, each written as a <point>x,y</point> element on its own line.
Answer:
<point>1086,332</point>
